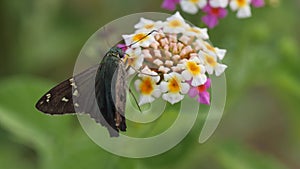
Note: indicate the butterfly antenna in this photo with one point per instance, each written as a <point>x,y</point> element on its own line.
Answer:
<point>142,38</point>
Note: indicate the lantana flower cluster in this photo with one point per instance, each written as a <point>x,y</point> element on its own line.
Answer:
<point>172,61</point>
<point>214,9</point>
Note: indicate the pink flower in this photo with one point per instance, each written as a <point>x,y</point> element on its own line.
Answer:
<point>213,15</point>
<point>202,92</point>
<point>258,3</point>
<point>122,46</point>
<point>170,4</point>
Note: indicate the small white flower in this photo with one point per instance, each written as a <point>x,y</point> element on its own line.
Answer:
<point>195,71</point>
<point>197,32</point>
<point>175,24</point>
<point>208,48</point>
<point>191,6</point>
<point>211,64</point>
<point>242,6</point>
<point>146,25</point>
<point>135,59</point>
<point>139,39</point>
<point>218,3</point>
<point>173,87</point>
<point>147,86</point>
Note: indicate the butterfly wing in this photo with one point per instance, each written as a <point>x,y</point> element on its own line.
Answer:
<point>91,92</point>
<point>59,100</point>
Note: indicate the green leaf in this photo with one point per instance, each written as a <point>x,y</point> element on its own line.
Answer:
<point>237,156</point>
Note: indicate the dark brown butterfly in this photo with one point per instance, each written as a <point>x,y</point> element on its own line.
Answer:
<point>99,91</point>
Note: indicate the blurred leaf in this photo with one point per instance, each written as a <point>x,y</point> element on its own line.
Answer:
<point>237,156</point>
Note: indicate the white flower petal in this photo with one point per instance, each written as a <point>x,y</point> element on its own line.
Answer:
<point>218,3</point>
<point>209,69</point>
<point>244,12</point>
<point>163,86</point>
<point>221,53</point>
<point>220,68</point>
<point>127,39</point>
<point>184,88</point>
<point>202,3</point>
<point>203,69</point>
<point>188,7</point>
<point>156,92</point>
<point>137,85</point>
<point>233,5</point>
<point>145,99</point>
<point>186,75</point>
<point>175,24</point>
<point>198,80</point>
<point>196,59</point>
<point>172,98</point>
<point>142,23</point>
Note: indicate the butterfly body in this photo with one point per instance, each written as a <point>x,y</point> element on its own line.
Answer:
<point>99,91</point>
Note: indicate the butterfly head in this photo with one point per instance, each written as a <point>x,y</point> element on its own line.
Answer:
<point>117,51</point>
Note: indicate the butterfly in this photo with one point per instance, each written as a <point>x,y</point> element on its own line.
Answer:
<point>99,91</point>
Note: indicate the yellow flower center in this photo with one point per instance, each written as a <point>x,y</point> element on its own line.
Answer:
<point>210,60</point>
<point>241,3</point>
<point>175,23</point>
<point>146,86</point>
<point>149,26</point>
<point>209,47</point>
<point>195,30</point>
<point>194,1</point>
<point>193,68</point>
<point>139,37</point>
<point>174,85</point>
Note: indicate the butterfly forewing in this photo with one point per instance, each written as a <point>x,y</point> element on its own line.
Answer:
<point>58,100</point>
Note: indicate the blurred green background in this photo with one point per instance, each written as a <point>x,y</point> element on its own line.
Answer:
<point>40,40</point>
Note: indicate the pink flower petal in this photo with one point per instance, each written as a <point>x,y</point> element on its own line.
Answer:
<point>222,13</point>
<point>193,92</point>
<point>204,98</point>
<point>210,20</point>
<point>207,83</point>
<point>170,4</point>
<point>122,46</point>
<point>258,3</point>
<point>213,14</point>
